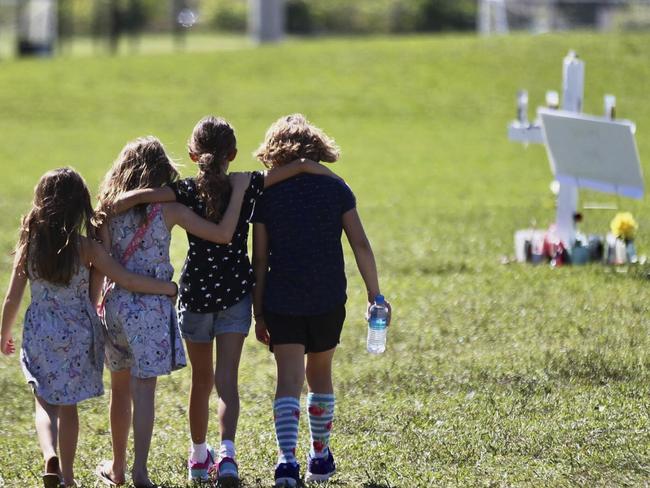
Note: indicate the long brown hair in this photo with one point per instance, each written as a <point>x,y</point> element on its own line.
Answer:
<point>49,242</point>
<point>213,142</point>
<point>142,163</point>
<point>293,137</point>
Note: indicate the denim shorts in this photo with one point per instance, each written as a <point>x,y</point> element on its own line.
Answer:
<point>204,327</point>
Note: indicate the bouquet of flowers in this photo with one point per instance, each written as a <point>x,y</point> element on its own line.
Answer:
<point>623,226</point>
<point>621,239</point>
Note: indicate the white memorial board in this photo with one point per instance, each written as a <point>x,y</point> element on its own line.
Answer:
<point>593,152</point>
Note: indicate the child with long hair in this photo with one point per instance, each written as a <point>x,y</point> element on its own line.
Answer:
<point>299,300</point>
<point>216,283</point>
<point>144,340</point>
<point>62,350</point>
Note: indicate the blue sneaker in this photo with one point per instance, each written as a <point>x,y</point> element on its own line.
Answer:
<point>320,469</point>
<point>287,474</point>
<point>225,473</point>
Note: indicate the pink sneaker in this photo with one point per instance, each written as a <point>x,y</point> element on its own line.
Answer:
<point>200,471</point>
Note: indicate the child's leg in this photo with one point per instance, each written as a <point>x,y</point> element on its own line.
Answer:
<point>46,418</point>
<point>120,416</point>
<point>200,354</point>
<point>68,436</point>
<point>320,400</point>
<point>143,392</point>
<point>229,348</point>
<point>290,361</point>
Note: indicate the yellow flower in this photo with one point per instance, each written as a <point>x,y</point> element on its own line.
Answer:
<point>624,226</point>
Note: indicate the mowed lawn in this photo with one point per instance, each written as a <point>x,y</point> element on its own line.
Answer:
<point>495,375</point>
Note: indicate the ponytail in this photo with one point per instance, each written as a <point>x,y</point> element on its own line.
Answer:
<point>213,142</point>
<point>213,186</point>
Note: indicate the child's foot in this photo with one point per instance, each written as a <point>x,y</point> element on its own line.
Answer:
<point>52,473</point>
<point>287,474</point>
<point>320,469</point>
<point>225,472</point>
<point>106,474</point>
<point>199,471</point>
<point>140,479</point>
<point>51,480</point>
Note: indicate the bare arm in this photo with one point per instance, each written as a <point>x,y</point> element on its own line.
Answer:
<point>260,267</point>
<point>294,168</point>
<point>363,255</point>
<point>96,276</point>
<point>132,198</point>
<point>98,257</point>
<point>17,285</point>
<point>220,233</point>
<point>362,252</point>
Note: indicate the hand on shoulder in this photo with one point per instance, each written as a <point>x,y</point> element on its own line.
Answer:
<point>239,180</point>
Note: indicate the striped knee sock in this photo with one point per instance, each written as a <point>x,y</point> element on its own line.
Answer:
<point>286,414</point>
<point>321,413</point>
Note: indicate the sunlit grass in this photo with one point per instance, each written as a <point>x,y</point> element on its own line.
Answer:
<point>494,375</point>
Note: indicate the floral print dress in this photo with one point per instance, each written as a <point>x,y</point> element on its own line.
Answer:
<point>142,330</point>
<point>62,352</point>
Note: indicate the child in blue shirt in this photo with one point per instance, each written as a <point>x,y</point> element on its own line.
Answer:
<point>299,300</point>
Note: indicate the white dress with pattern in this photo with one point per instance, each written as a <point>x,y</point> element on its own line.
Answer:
<point>142,330</point>
<point>63,344</point>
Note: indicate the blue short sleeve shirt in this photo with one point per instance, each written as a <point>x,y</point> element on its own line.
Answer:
<point>303,219</point>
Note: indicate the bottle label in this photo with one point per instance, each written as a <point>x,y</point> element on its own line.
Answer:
<point>377,323</point>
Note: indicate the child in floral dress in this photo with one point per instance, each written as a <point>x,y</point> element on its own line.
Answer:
<point>62,349</point>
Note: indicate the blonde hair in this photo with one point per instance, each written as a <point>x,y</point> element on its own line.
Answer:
<point>293,137</point>
<point>142,163</point>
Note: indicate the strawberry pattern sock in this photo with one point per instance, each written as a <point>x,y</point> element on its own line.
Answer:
<point>286,414</point>
<point>321,414</point>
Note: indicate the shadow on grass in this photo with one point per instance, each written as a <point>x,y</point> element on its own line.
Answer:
<point>444,268</point>
<point>638,272</point>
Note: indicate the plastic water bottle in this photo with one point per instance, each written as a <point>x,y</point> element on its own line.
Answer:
<point>377,324</point>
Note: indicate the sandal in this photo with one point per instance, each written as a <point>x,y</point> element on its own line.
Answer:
<point>51,480</point>
<point>102,473</point>
<point>51,477</point>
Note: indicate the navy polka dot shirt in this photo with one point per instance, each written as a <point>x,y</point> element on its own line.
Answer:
<point>303,219</point>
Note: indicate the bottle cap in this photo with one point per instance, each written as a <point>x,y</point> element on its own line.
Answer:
<point>379,299</point>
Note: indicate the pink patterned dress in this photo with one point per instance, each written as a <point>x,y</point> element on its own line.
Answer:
<point>142,330</point>
<point>62,352</point>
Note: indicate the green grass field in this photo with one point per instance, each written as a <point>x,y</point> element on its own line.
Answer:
<point>495,375</point>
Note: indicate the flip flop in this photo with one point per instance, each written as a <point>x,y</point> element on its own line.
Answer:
<point>103,475</point>
<point>51,476</point>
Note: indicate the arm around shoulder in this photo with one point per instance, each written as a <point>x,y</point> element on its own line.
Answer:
<point>99,258</point>
<point>132,198</point>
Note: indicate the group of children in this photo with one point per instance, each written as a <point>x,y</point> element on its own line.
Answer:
<point>101,293</point>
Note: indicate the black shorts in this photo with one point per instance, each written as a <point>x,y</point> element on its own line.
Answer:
<point>318,333</point>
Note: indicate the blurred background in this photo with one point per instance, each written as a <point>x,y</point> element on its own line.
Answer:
<point>47,27</point>
<point>495,374</point>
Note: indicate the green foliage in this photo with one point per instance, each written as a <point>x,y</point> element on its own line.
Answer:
<point>494,375</point>
<point>230,15</point>
<point>379,16</point>
<point>303,16</point>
